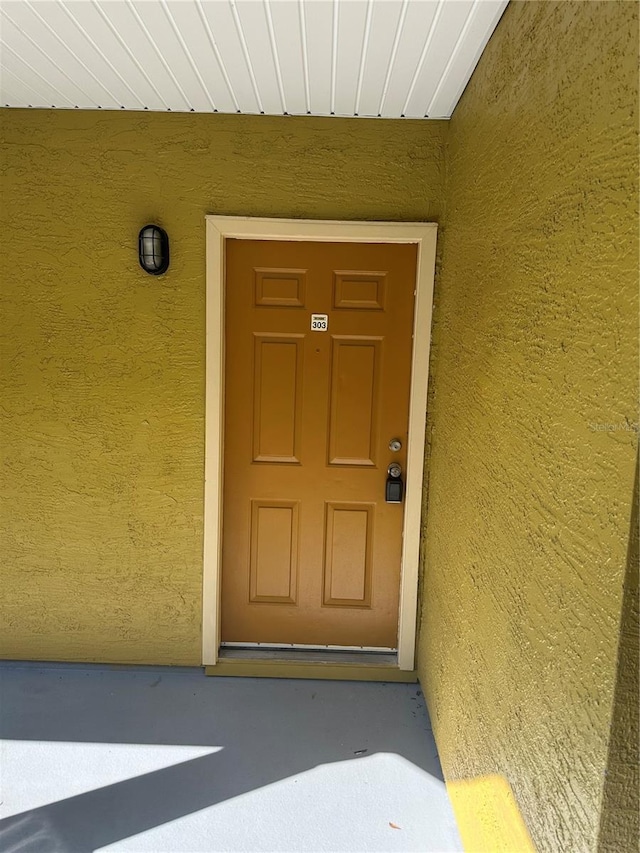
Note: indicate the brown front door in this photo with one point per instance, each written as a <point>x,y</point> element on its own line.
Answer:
<point>311,550</point>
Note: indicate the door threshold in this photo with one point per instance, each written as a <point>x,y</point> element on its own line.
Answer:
<point>309,647</point>
<point>293,655</point>
<point>324,663</point>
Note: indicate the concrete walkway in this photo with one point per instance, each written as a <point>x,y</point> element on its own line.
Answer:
<point>164,759</point>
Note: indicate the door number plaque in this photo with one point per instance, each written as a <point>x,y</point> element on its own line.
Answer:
<point>319,322</point>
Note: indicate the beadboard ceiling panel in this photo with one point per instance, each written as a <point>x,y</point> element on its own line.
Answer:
<point>388,58</point>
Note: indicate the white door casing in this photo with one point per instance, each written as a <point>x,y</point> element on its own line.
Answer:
<point>221,228</point>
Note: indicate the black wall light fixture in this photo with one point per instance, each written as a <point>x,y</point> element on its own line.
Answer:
<point>153,249</point>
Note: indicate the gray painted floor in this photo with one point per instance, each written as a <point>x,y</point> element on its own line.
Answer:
<point>159,759</point>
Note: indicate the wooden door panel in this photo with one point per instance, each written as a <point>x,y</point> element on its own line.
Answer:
<point>283,288</point>
<point>355,379</point>
<point>348,554</point>
<point>311,551</point>
<point>277,398</point>
<point>362,291</point>
<point>274,551</point>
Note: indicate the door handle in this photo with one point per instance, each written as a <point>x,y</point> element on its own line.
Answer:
<point>394,489</point>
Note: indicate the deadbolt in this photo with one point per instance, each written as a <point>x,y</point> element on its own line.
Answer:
<point>394,488</point>
<point>395,444</point>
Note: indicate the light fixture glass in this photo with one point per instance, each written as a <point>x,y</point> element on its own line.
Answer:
<point>153,249</point>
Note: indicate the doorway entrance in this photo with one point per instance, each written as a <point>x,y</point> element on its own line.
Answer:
<point>316,385</point>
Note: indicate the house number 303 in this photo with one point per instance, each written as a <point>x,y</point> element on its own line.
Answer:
<point>319,322</point>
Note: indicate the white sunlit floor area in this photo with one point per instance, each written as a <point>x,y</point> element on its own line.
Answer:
<point>164,759</point>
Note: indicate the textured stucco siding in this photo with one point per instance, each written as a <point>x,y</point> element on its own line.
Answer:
<point>620,818</point>
<point>103,366</point>
<point>531,425</point>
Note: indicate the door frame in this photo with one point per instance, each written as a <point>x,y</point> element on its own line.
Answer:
<point>221,228</point>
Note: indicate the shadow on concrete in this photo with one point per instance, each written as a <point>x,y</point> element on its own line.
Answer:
<point>265,731</point>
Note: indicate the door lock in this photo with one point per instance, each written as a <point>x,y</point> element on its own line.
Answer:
<point>395,444</point>
<point>395,487</point>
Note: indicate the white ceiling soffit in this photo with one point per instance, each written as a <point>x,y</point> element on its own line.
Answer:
<point>389,58</point>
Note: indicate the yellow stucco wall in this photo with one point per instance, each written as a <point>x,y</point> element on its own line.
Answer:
<point>620,817</point>
<point>103,366</point>
<point>531,438</point>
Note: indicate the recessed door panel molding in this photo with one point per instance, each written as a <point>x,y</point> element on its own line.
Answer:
<point>348,554</point>
<point>274,552</point>
<point>277,398</point>
<point>359,290</point>
<point>355,377</point>
<point>280,288</point>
